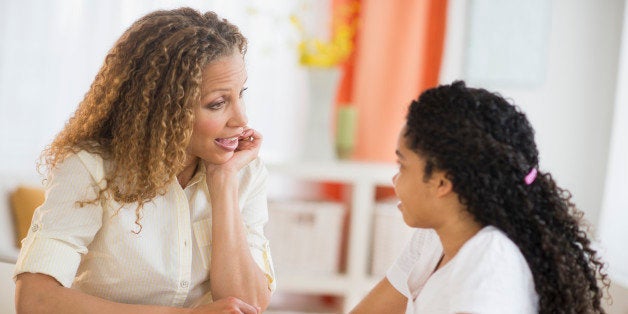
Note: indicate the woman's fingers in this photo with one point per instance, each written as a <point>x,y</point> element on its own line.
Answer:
<point>249,139</point>
<point>250,135</point>
<point>246,135</point>
<point>249,143</point>
<point>228,305</point>
<point>247,308</point>
<point>238,306</point>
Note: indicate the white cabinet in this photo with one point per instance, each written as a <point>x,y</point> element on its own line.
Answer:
<point>362,180</point>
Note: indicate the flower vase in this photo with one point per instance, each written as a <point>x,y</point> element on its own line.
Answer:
<point>346,124</point>
<point>319,141</point>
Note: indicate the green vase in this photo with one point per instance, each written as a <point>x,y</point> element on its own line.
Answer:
<point>346,124</point>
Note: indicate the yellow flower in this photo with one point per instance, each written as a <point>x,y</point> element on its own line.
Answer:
<point>314,52</point>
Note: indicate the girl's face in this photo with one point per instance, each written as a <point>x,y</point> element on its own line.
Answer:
<point>417,196</point>
<point>219,117</point>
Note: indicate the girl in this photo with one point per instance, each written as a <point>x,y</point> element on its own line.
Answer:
<point>497,235</point>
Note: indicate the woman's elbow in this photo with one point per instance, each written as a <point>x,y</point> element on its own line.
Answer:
<point>32,291</point>
<point>264,300</point>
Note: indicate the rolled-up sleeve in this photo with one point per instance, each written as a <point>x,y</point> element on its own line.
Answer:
<point>62,229</point>
<point>255,215</point>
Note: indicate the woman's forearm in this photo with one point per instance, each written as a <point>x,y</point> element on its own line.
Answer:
<point>39,293</point>
<point>233,271</point>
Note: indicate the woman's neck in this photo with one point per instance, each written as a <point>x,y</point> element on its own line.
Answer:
<point>189,169</point>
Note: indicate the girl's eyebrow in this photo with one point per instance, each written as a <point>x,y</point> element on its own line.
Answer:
<point>399,154</point>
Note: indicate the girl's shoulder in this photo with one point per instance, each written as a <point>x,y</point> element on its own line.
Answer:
<point>490,270</point>
<point>491,249</point>
<point>492,261</point>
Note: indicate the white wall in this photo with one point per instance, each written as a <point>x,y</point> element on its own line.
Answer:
<point>613,222</point>
<point>571,108</point>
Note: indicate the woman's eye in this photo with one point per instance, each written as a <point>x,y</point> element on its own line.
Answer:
<point>242,91</point>
<point>216,105</point>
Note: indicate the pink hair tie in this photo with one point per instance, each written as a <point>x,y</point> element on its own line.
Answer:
<point>530,176</point>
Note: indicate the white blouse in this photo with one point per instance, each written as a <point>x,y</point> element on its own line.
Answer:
<point>487,275</point>
<point>94,248</point>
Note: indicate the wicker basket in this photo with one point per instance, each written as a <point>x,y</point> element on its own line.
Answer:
<point>305,237</point>
<point>390,235</point>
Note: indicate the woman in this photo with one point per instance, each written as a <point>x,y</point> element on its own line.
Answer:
<point>155,198</point>
<point>497,234</point>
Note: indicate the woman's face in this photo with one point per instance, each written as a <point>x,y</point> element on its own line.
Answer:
<point>417,196</point>
<point>219,117</point>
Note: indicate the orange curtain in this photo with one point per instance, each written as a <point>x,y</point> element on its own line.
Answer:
<point>397,54</point>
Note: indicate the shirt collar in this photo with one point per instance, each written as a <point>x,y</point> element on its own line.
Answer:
<point>199,174</point>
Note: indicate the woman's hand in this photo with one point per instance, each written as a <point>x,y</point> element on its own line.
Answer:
<point>227,305</point>
<point>233,270</point>
<point>248,148</point>
<point>249,144</point>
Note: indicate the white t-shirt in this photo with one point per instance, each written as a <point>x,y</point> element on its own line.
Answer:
<point>488,275</point>
<point>93,248</point>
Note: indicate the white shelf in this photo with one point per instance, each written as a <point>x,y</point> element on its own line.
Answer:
<point>324,284</point>
<point>363,179</point>
<point>341,171</point>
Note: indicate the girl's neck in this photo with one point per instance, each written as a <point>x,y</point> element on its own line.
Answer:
<point>454,234</point>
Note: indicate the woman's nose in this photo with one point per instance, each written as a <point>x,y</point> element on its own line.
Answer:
<point>394,179</point>
<point>238,117</point>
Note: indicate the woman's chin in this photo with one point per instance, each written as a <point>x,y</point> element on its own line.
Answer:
<point>219,159</point>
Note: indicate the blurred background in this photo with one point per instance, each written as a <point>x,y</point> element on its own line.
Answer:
<point>329,83</point>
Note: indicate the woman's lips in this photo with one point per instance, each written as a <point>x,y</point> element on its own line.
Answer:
<point>228,144</point>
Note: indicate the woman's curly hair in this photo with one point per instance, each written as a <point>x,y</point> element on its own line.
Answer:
<point>138,112</point>
<point>486,147</point>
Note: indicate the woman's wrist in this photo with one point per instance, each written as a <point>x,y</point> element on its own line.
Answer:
<point>218,181</point>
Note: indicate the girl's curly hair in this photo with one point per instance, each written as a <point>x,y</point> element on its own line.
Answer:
<point>138,112</point>
<point>486,147</point>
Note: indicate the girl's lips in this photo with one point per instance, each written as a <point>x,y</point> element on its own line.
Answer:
<point>228,144</point>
